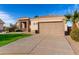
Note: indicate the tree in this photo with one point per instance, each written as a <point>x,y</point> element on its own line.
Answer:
<point>68,17</point>
<point>36,16</point>
<point>74,18</point>
<point>5,28</point>
<point>12,28</point>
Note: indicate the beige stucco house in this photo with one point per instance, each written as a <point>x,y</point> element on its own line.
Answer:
<point>43,24</point>
<point>1,25</point>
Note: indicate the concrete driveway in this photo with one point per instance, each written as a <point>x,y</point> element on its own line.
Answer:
<point>39,44</point>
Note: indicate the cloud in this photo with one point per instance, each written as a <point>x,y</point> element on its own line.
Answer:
<point>7,18</point>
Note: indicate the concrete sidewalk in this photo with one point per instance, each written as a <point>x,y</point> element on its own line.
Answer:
<point>39,45</point>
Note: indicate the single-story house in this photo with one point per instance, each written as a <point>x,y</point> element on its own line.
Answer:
<point>48,24</point>
<point>43,24</point>
<point>1,25</point>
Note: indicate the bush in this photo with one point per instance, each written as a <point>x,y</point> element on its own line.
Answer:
<point>18,30</point>
<point>75,34</point>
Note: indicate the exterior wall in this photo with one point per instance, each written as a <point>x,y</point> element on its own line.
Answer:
<point>65,27</point>
<point>34,25</point>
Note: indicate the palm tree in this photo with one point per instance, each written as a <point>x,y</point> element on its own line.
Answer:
<point>68,17</point>
<point>74,18</point>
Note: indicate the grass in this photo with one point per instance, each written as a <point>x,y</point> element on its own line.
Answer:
<point>8,38</point>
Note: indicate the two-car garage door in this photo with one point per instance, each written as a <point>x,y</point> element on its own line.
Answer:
<point>51,28</point>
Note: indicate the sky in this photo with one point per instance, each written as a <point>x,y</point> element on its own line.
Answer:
<point>9,13</point>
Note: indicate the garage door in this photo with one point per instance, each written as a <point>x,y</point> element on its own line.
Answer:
<point>51,28</point>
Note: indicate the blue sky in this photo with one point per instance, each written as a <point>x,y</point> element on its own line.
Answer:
<point>9,13</point>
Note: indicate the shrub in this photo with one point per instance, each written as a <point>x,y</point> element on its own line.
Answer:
<point>75,34</point>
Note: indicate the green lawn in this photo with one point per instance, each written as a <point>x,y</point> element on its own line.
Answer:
<point>8,38</point>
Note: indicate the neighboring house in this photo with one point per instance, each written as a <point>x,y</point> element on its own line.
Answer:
<point>43,24</point>
<point>1,25</point>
